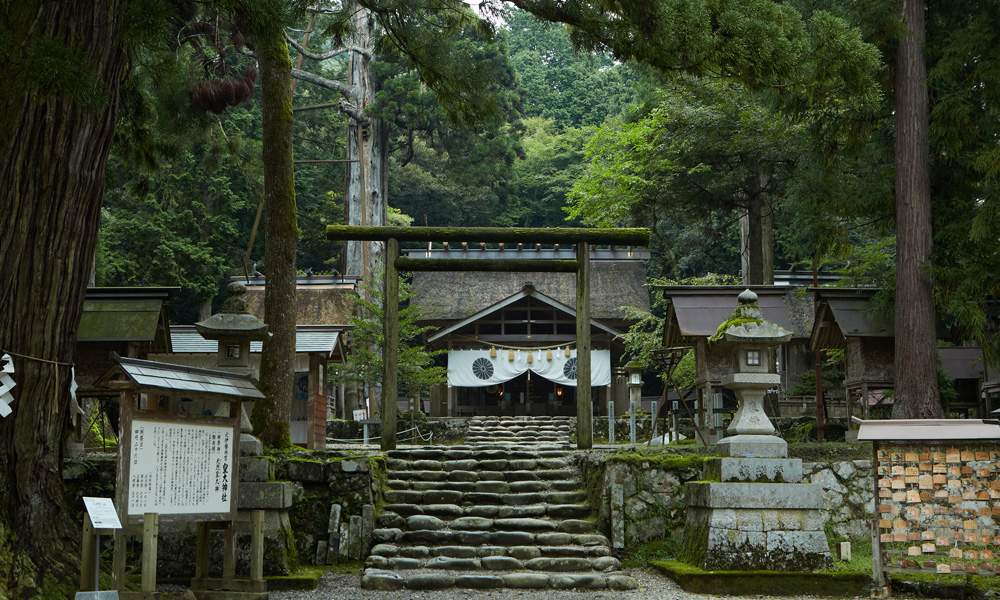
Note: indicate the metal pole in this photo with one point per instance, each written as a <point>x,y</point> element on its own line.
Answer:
<point>611,422</point>
<point>652,416</point>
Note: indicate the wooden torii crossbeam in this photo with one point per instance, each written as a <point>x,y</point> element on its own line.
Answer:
<point>581,237</point>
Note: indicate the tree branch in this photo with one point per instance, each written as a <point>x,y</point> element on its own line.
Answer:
<point>347,90</point>
<point>327,55</point>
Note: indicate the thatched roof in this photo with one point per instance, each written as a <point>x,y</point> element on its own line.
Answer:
<point>321,300</point>
<point>452,296</point>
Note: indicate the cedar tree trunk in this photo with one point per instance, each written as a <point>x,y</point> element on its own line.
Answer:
<point>277,371</point>
<point>916,393</point>
<point>54,145</point>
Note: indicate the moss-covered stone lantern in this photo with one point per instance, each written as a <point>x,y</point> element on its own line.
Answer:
<point>751,339</point>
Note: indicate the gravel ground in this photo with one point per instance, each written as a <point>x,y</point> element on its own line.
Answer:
<point>652,586</point>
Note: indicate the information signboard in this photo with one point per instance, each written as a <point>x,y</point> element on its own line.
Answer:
<point>180,468</point>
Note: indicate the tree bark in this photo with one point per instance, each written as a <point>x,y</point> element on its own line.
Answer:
<point>277,372</point>
<point>757,235</point>
<point>916,393</point>
<point>53,154</point>
<point>367,144</point>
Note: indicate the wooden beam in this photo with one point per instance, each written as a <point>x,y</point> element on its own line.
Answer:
<point>150,531</point>
<point>390,357</point>
<point>528,235</point>
<point>584,408</point>
<point>514,265</point>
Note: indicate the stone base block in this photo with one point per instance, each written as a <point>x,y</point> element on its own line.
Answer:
<point>270,494</point>
<point>754,470</point>
<point>774,496</point>
<point>753,446</point>
<point>733,550</point>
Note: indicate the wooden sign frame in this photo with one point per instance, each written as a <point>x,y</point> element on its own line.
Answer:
<point>129,413</point>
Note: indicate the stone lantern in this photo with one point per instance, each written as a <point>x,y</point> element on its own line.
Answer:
<point>752,339</point>
<point>752,511</point>
<point>234,328</point>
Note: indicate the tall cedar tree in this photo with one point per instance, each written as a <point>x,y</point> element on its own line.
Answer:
<point>264,21</point>
<point>916,388</point>
<point>63,65</point>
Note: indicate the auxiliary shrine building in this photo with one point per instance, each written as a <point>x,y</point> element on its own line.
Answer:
<point>510,338</point>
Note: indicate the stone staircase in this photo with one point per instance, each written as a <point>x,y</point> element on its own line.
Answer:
<point>503,513</point>
<point>519,431</point>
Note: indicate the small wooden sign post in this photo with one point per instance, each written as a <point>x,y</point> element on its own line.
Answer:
<point>99,519</point>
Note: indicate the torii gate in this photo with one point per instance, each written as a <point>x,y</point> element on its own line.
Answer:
<point>581,237</point>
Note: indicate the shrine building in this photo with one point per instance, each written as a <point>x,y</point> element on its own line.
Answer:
<point>510,337</point>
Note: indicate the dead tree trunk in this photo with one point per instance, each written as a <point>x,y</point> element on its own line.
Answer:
<point>367,146</point>
<point>54,145</point>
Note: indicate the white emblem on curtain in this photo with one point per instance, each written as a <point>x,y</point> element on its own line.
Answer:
<point>475,368</point>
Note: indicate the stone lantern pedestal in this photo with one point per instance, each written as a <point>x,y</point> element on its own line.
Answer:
<point>753,512</point>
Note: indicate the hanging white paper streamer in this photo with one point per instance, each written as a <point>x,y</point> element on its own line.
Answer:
<point>73,404</point>
<point>6,385</point>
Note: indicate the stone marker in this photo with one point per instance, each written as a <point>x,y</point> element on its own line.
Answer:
<point>367,526</point>
<point>354,541</point>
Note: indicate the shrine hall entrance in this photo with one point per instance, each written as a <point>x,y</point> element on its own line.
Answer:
<point>525,395</point>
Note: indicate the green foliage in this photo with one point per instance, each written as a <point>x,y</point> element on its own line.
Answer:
<point>639,558</point>
<point>570,88</point>
<point>814,56</point>
<point>832,374</point>
<point>364,362</point>
<point>645,336</point>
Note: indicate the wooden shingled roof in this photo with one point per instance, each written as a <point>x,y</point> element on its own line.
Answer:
<point>697,311</point>
<point>322,300</point>
<point>452,296</point>
<point>844,313</point>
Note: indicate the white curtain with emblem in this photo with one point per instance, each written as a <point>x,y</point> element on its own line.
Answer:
<point>475,368</point>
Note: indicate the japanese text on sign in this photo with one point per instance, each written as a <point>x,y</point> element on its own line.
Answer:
<point>180,468</point>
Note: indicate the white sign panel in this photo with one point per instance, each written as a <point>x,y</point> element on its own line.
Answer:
<point>180,468</point>
<point>102,513</point>
<point>360,415</point>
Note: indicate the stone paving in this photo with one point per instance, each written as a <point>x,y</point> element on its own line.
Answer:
<point>508,510</point>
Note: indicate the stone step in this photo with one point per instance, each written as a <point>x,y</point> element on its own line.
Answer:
<point>556,511</point>
<point>521,553</point>
<point>488,486</point>
<point>481,472</point>
<point>483,464</point>
<point>452,496</point>
<point>468,560</point>
<point>500,452</point>
<point>440,578</point>
<point>515,429</point>
<point>538,523</point>
<point>449,537</point>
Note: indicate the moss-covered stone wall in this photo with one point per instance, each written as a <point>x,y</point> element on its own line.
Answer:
<point>653,493</point>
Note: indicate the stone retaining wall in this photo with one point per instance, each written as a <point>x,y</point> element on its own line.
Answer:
<point>651,490</point>
<point>653,495</point>
<point>318,481</point>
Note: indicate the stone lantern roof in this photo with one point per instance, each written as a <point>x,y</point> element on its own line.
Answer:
<point>235,321</point>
